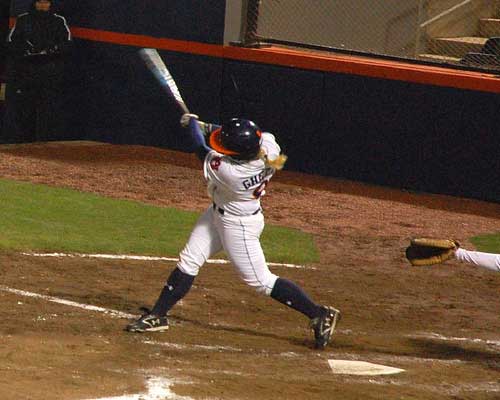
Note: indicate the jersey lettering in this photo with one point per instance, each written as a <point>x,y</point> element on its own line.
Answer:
<point>254,180</point>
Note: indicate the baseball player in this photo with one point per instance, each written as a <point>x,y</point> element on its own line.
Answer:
<point>238,164</point>
<point>430,251</point>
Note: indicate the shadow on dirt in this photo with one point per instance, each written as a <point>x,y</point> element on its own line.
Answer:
<point>447,351</point>
<point>244,331</point>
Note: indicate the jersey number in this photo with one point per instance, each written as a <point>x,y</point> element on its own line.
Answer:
<point>260,190</point>
<point>215,163</point>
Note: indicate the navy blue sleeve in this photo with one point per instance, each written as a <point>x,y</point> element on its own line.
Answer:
<point>201,148</point>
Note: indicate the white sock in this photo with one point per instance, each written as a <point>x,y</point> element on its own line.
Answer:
<point>484,260</point>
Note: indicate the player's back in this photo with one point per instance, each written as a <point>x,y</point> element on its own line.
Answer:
<point>236,186</point>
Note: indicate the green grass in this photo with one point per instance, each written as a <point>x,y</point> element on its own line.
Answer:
<point>487,243</point>
<point>42,218</point>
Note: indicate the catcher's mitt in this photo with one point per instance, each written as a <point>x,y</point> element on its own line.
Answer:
<point>427,251</point>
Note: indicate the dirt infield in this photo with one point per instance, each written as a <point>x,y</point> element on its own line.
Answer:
<point>440,324</point>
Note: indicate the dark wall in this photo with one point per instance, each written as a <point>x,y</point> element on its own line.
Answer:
<point>114,98</point>
<point>285,101</point>
<point>201,21</point>
<point>406,135</point>
<point>4,30</point>
<point>412,136</point>
<point>110,95</point>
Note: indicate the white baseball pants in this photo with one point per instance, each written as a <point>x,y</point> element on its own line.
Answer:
<point>239,237</point>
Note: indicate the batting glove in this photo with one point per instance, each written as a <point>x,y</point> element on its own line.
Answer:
<point>206,128</point>
<point>185,119</point>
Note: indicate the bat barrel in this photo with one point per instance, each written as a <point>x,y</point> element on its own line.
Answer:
<point>160,71</point>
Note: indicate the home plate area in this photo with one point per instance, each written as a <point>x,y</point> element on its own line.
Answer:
<point>348,367</point>
<point>224,343</point>
<point>158,388</point>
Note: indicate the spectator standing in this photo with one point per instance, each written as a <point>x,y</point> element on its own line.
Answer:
<point>37,44</point>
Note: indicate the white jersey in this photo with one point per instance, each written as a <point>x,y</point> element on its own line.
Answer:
<point>236,186</point>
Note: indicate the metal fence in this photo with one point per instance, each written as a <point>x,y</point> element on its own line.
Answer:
<point>457,33</point>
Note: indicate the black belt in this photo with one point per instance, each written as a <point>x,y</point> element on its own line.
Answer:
<point>221,211</point>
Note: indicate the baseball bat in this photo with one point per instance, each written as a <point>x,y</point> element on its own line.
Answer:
<point>160,71</point>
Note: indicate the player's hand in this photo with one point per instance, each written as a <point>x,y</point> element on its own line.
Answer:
<point>185,119</point>
<point>206,128</point>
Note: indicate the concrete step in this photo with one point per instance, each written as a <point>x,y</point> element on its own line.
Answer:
<point>489,27</point>
<point>457,46</point>
<point>439,58</point>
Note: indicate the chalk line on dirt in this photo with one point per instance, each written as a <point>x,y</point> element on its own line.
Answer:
<point>107,311</point>
<point>455,389</point>
<point>438,336</point>
<point>157,389</point>
<point>192,346</point>
<point>121,314</point>
<point>151,258</point>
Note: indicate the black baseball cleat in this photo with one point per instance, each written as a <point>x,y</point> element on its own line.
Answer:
<point>148,323</point>
<point>324,326</point>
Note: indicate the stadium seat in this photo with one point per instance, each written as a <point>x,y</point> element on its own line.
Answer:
<point>492,46</point>
<point>481,60</point>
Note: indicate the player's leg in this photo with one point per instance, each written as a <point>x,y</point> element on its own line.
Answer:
<point>489,261</point>
<point>323,319</point>
<point>202,243</point>
<point>241,241</point>
<point>20,114</point>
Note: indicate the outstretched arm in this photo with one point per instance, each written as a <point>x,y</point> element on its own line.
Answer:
<point>489,261</point>
<point>201,148</point>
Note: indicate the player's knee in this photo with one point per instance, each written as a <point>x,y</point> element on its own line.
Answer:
<point>263,285</point>
<point>188,269</point>
<point>266,291</point>
<point>190,263</point>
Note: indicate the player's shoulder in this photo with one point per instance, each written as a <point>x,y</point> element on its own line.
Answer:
<point>270,145</point>
<point>213,159</point>
<point>268,138</point>
<point>226,165</point>
<point>268,135</point>
<point>216,160</point>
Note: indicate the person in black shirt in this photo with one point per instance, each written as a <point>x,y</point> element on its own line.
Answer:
<point>34,102</point>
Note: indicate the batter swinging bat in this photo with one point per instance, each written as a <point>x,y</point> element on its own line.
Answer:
<point>156,65</point>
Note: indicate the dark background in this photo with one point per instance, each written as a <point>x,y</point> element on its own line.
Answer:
<point>407,135</point>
